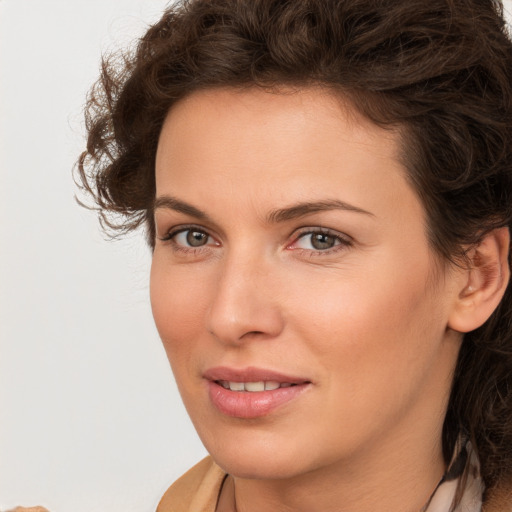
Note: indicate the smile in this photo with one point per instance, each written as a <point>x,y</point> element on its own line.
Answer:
<point>253,387</point>
<point>252,393</point>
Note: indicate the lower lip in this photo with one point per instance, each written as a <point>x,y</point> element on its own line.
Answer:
<point>251,404</point>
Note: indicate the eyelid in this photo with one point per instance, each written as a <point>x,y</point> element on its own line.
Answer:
<point>176,230</point>
<point>344,240</point>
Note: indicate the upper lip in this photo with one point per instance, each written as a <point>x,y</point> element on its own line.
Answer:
<point>250,374</point>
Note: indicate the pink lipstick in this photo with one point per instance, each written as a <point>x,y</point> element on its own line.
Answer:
<point>251,392</point>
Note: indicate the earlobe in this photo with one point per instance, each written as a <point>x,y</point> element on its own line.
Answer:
<point>484,282</point>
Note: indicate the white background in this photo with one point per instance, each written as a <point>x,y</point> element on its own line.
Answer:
<point>90,419</point>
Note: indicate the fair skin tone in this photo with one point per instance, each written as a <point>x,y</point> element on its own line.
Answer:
<point>289,240</point>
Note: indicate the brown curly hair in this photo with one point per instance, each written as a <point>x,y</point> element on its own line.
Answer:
<point>440,70</point>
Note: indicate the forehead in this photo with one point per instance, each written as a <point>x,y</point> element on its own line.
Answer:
<point>283,109</point>
<point>253,130</point>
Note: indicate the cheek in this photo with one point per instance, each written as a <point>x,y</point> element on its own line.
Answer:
<point>371,328</point>
<point>179,302</point>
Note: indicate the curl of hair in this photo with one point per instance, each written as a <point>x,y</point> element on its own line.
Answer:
<point>440,70</point>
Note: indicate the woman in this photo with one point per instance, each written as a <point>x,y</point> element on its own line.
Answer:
<point>327,191</point>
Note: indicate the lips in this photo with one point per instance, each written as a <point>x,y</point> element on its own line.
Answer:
<point>254,387</point>
<point>252,392</point>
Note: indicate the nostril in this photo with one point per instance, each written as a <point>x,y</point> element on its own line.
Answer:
<point>233,318</point>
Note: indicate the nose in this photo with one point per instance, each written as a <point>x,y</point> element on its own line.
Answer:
<point>245,304</point>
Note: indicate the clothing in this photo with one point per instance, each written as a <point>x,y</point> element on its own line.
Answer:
<point>198,490</point>
<point>463,472</point>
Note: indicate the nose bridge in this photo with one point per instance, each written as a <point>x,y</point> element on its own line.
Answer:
<point>244,300</point>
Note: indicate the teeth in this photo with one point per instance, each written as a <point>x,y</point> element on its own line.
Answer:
<point>254,386</point>
<point>236,386</point>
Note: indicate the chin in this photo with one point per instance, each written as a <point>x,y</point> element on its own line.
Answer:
<point>258,455</point>
<point>258,466</point>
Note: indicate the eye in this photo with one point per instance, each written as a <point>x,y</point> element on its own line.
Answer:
<point>319,240</point>
<point>191,238</point>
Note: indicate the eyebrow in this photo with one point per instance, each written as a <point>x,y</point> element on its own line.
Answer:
<point>275,216</point>
<point>306,208</point>
<point>171,203</point>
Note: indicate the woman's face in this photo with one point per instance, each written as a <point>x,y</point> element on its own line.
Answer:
<point>292,266</point>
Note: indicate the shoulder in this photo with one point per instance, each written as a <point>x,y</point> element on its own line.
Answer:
<point>197,490</point>
<point>499,499</point>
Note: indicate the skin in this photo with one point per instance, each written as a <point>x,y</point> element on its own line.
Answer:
<point>366,321</point>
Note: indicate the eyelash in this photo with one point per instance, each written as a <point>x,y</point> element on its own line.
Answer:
<point>170,237</point>
<point>342,242</point>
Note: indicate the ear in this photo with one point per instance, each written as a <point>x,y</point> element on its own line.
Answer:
<point>483,282</point>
